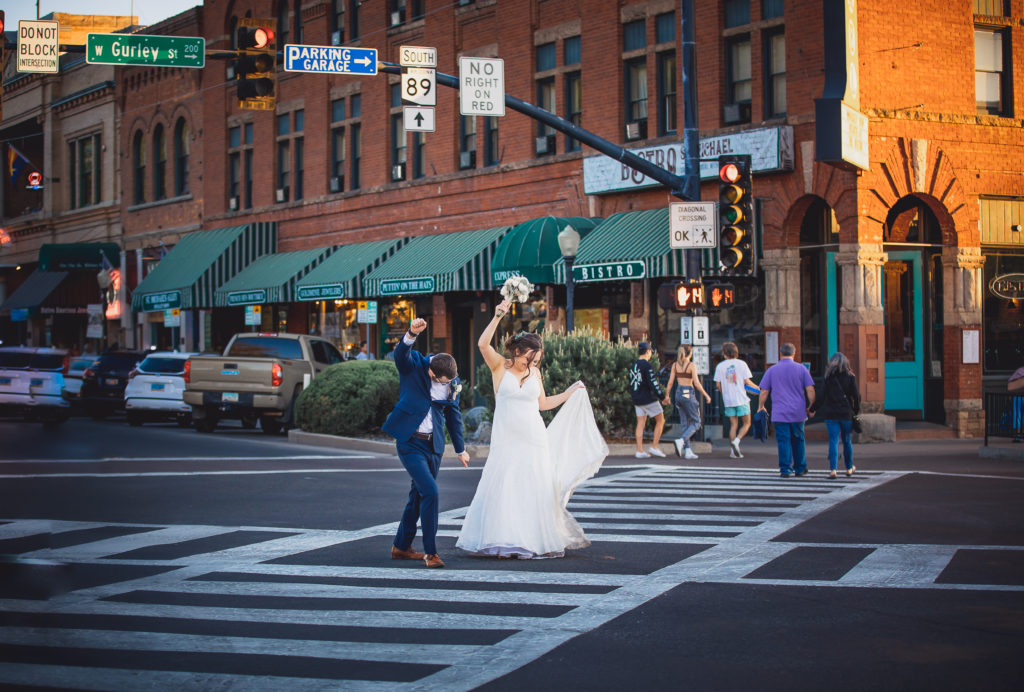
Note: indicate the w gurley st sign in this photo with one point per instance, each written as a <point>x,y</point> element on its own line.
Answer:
<point>139,49</point>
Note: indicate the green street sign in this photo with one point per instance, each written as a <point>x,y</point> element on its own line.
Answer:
<point>254,297</point>
<point>139,49</point>
<point>321,292</point>
<point>152,302</point>
<point>609,271</point>
<point>420,284</point>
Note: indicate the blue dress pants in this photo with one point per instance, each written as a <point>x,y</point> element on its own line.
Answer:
<point>422,463</point>
<point>792,454</point>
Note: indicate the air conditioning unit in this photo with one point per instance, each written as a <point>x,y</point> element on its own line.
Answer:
<point>398,172</point>
<point>229,73</point>
<point>233,204</point>
<point>636,130</point>
<point>337,183</point>
<point>546,144</point>
<point>467,159</point>
<point>282,194</point>
<point>336,38</point>
<point>396,18</point>
<point>736,113</point>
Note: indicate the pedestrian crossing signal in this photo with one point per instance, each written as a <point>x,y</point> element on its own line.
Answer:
<point>720,296</point>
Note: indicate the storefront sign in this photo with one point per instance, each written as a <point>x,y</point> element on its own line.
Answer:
<point>502,277</point>
<point>80,310</point>
<point>154,302</point>
<point>172,318</point>
<point>1008,286</point>
<point>771,149</point>
<point>322,292</point>
<point>253,315</point>
<point>420,284</point>
<point>247,297</point>
<point>94,330</point>
<point>609,271</point>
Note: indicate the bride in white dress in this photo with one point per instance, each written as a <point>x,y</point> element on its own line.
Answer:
<point>519,509</point>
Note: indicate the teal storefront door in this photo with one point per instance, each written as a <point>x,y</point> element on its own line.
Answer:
<point>904,333</point>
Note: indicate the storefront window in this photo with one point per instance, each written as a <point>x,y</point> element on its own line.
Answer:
<point>1003,310</point>
<point>899,311</point>
<point>335,320</point>
<point>530,316</point>
<point>397,316</point>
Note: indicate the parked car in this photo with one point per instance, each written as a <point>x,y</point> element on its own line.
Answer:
<point>155,388</point>
<point>104,381</point>
<point>31,382</point>
<point>259,375</point>
<point>77,365</point>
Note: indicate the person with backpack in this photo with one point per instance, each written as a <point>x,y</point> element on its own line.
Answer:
<point>838,399</point>
<point>646,393</point>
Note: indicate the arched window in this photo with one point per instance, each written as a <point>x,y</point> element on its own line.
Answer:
<point>283,35</point>
<point>159,163</point>
<point>233,33</point>
<point>181,157</point>
<point>139,164</point>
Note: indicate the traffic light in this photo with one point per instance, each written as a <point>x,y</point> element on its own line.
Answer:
<point>736,252</point>
<point>255,67</point>
<point>720,296</point>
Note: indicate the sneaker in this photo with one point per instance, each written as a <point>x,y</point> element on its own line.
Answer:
<point>642,455</point>
<point>734,444</point>
<point>849,471</point>
<point>801,473</point>
<point>655,452</point>
<point>679,447</point>
<point>734,454</point>
<point>690,454</point>
<point>785,475</point>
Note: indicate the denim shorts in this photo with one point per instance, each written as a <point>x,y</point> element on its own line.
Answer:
<point>737,411</point>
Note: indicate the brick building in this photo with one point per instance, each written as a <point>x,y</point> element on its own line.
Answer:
<point>886,145</point>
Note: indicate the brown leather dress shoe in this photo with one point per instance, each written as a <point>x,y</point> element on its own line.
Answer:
<point>433,560</point>
<point>407,554</point>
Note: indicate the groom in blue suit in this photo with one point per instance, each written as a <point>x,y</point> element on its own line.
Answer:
<point>428,401</point>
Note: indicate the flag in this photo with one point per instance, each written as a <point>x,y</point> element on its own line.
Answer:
<point>16,162</point>
<point>107,266</point>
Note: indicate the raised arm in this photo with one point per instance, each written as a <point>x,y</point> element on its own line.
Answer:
<point>494,360</point>
<point>403,351</point>
<point>545,402</point>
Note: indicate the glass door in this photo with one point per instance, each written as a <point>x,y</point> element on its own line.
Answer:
<point>904,331</point>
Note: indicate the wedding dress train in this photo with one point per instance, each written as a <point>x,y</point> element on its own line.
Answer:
<point>519,509</point>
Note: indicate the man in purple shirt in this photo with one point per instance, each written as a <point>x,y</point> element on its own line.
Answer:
<point>792,391</point>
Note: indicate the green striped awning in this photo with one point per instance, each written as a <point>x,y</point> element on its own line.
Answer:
<point>200,263</point>
<point>628,246</point>
<point>531,248</point>
<point>341,275</point>
<point>438,264</point>
<point>271,278</point>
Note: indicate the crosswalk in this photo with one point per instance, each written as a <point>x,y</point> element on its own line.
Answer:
<point>146,606</point>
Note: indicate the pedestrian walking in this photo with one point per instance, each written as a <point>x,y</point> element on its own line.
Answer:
<point>732,376</point>
<point>791,388</point>
<point>428,402</point>
<point>364,353</point>
<point>646,394</point>
<point>838,399</point>
<point>684,376</point>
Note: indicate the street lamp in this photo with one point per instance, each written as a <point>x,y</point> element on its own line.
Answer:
<point>569,244</point>
<point>103,279</point>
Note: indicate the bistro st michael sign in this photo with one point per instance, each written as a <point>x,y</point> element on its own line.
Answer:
<point>1008,286</point>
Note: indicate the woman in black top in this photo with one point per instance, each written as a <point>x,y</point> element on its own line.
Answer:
<point>839,401</point>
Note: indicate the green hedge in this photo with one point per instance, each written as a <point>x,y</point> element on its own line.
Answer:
<point>350,398</point>
<point>602,365</point>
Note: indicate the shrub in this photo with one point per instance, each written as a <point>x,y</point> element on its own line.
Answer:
<point>602,365</point>
<point>350,398</point>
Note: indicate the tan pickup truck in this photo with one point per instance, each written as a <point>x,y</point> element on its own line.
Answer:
<point>259,376</point>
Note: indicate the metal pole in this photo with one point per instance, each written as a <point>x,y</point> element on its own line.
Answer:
<point>691,132</point>
<point>569,286</point>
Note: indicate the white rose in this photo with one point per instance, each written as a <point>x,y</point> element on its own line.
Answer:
<point>458,388</point>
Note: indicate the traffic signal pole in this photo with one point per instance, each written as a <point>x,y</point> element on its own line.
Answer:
<point>691,133</point>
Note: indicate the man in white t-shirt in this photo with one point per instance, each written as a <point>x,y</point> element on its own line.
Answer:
<point>731,376</point>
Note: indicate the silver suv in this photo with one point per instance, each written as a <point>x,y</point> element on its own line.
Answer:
<point>31,383</point>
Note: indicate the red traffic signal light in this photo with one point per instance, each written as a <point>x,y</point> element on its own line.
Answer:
<point>729,173</point>
<point>736,251</point>
<point>255,68</point>
<point>255,37</point>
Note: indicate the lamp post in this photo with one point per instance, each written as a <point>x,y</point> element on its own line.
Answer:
<point>569,244</point>
<point>103,279</point>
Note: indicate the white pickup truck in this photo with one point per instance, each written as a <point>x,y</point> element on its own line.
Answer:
<point>259,375</point>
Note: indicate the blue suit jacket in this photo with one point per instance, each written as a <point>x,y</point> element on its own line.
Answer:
<point>414,402</point>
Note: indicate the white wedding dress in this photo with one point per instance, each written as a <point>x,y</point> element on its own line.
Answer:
<point>519,509</point>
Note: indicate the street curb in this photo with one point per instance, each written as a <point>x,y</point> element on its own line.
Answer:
<point>1001,452</point>
<point>475,451</point>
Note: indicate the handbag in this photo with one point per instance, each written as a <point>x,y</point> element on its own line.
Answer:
<point>857,427</point>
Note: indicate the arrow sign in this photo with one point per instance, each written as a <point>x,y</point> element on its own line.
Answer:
<point>330,59</point>
<point>418,118</point>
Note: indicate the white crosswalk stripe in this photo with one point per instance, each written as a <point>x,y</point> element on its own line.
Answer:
<point>249,601</point>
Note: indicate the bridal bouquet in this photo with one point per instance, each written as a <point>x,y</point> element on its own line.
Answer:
<point>517,289</point>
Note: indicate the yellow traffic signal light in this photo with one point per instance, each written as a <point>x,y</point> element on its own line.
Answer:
<point>255,67</point>
<point>736,251</point>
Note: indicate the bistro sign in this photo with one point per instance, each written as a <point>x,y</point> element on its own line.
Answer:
<point>770,149</point>
<point>1008,286</point>
<point>608,271</point>
<point>321,292</point>
<point>153,302</point>
<point>420,284</point>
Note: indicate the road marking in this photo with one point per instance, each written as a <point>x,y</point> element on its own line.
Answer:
<point>746,510</point>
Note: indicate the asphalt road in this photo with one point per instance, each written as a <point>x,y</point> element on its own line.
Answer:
<point>160,558</point>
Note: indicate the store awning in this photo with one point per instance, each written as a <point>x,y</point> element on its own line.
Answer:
<point>34,291</point>
<point>341,275</point>
<point>201,263</point>
<point>531,248</point>
<point>438,264</point>
<point>59,257</point>
<point>625,247</point>
<point>271,278</point>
